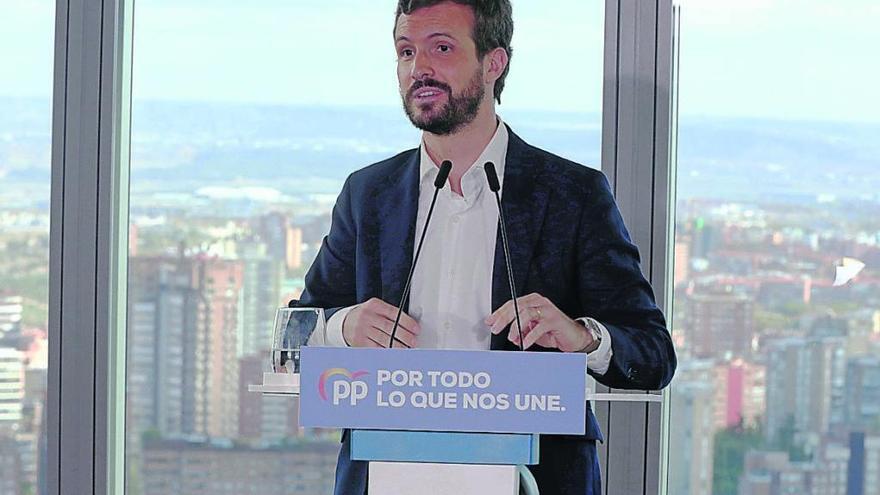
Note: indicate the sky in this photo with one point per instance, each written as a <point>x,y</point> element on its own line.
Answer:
<point>788,59</point>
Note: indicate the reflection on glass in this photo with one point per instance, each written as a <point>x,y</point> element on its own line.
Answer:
<point>777,247</point>
<point>293,327</point>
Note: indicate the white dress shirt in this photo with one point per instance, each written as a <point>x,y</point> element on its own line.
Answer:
<point>451,290</point>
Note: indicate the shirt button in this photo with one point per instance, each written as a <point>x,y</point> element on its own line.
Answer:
<point>447,325</point>
<point>455,219</point>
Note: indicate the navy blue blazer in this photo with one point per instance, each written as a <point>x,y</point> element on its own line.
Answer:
<point>567,242</point>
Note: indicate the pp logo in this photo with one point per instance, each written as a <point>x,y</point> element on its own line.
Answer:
<point>350,388</point>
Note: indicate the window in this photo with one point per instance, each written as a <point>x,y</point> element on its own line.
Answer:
<point>777,245</point>
<point>26,35</point>
<point>246,120</point>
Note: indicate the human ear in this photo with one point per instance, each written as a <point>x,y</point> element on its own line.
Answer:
<point>495,62</point>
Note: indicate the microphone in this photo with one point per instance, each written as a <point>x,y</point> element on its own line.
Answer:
<point>439,182</point>
<point>494,186</point>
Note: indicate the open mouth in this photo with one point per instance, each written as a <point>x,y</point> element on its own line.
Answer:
<point>427,94</point>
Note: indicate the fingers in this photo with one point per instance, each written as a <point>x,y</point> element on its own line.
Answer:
<point>505,315</point>
<point>370,342</point>
<point>514,333</point>
<point>382,336</point>
<point>381,329</point>
<point>539,331</point>
<point>389,312</point>
<point>373,323</point>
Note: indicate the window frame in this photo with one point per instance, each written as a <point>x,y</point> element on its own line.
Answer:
<point>637,147</point>
<point>89,225</point>
<point>88,246</point>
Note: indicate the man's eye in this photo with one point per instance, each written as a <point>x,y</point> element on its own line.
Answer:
<point>406,52</point>
<point>444,48</point>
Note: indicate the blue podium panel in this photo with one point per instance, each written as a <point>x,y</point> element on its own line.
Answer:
<point>443,390</point>
<point>442,447</point>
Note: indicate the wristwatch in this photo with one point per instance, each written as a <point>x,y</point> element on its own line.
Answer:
<point>595,332</point>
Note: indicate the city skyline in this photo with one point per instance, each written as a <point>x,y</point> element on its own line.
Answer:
<point>245,124</point>
<point>738,77</point>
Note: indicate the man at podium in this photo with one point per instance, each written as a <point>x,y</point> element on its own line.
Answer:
<point>575,268</point>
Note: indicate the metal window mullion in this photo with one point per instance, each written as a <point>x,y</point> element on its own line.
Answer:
<point>87,247</point>
<point>610,114</point>
<point>112,246</point>
<point>53,390</point>
<point>664,225</point>
<point>635,159</point>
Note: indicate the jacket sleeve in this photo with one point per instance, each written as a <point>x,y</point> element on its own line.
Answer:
<point>331,281</point>
<point>613,290</point>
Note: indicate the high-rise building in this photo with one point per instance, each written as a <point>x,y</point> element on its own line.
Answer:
<point>829,469</point>
<point>720,324</point>
<point>283,241</point>
<point>271,229</point>
<point>219,468</point>
<point>828,326</point>
<point>262,418</point>
<point>32,425</point>
<point>294,248</point>
<point>10,470</point>
<point>805,384</point>
<point>682,261</point>
<point>863,475</point>
<point>692,432</point>
<point>260,297</point>
<point>740,388</point>
<point>11,388</point>
<point>183,371</point>
<point>11,308</point>
<point>863,392</point>
<point>704,238</point>
<point>771,473</point>
<point>774,473</point>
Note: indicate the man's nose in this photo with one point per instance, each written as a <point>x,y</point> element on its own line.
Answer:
<point>421,66</point>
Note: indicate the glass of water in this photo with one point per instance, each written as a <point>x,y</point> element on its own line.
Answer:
<point>293,328</point>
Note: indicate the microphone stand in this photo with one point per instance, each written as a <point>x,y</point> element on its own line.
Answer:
<point>439,182</point>
<point>495,186</point>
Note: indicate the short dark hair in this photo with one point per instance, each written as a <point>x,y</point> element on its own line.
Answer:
<point>493,27</point>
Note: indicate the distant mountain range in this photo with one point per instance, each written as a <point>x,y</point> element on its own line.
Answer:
<point>180,147</point>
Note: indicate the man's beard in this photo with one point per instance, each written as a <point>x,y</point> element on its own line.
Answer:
<point>458,111</point>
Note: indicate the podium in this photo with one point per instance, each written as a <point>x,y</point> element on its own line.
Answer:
<point>464,422</point>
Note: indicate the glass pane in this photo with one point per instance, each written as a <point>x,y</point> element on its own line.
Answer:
<point>26,47</point>
<point>777,250</point>
<point>553,97</point>
<point>247,119</point>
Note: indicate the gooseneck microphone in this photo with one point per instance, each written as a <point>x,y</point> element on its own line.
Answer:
<point>495,186</point>
<point>439,182</point>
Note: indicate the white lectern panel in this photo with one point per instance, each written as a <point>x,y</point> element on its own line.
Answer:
<point>404,478</point>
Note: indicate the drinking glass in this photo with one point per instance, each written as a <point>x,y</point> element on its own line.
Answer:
<point>293,328</point>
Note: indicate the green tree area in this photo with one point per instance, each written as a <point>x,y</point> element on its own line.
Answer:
<point>731,445</point>
<point>33,286</point>
<point>786,440</point>
<point>24,271</point>
<point>766,319</point>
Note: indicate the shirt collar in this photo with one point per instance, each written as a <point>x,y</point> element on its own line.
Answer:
<point>475,177</point>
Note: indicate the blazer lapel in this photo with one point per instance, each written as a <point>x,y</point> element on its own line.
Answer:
<point>398,206</point>
<point>524,202</point>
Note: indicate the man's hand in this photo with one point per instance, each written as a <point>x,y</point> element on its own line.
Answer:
<point>370,324</point>
<point>542,323</point>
